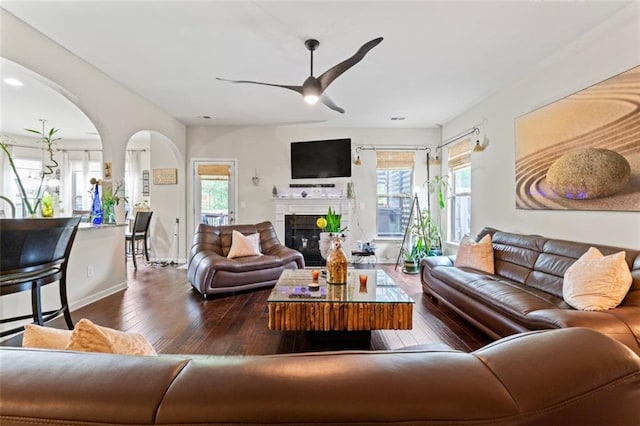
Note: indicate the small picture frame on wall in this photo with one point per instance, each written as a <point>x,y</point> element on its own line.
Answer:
<point>107,169</point>
<point>145,183</point>
<point>165,176</point>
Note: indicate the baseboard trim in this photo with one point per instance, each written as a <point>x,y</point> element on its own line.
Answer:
<point>97,296</point>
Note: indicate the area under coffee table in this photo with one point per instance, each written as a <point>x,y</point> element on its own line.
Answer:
<point>381,305</point>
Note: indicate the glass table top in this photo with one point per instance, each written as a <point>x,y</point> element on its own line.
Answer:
<point>294,286</point>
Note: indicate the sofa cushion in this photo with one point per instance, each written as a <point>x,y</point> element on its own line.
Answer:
<point>36,336</point>
<point>596,282</point>
<point>89,337</point>
<point>476,255</point>
<point>244,245</point>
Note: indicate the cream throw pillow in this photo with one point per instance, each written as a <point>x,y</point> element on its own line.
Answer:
<point>595,282</point>
<point>88,337</point>
<point>476,255</point>
<point>36,336</point>
<point>242,245</point>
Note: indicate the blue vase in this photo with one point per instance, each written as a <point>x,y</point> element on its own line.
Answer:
<point>96,208</point>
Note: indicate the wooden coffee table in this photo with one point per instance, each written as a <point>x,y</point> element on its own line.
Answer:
<point>381,305</point>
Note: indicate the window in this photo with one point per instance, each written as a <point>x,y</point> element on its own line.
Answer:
<point>394,184</point>
<point>460,182</point>
<point>460,202</point>
<point>81,195</point>
<point>29,171</point>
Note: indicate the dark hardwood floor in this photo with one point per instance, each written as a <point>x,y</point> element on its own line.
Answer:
<point>161,305</point>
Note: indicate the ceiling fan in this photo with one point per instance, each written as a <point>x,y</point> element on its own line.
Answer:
<point>313,88</point>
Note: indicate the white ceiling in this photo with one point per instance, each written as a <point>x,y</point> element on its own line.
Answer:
<point>437,58</point>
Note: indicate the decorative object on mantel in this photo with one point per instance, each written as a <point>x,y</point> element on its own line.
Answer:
<point>330,226</point>
<point>96,206</point>
<point>165,176</point>
<point>32,197</point>
<point>274,191</point>
<point>571,153</point>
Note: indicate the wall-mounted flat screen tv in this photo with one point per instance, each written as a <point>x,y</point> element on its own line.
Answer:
<point>321,159</point>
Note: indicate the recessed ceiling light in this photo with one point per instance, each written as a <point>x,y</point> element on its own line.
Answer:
<point>13,82</point>
<point>206,117</point>
<point>397,118</point>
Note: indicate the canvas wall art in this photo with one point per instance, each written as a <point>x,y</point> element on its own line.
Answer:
<point>582,152</point>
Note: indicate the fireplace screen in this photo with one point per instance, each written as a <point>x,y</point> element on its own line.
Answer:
<point>302,234</point>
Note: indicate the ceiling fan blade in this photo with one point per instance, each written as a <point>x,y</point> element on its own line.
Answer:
<point>329,103</point>
<point>297,89</point>
<point>331,74</point>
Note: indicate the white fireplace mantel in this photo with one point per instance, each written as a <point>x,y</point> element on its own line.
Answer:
<point>309,206</point>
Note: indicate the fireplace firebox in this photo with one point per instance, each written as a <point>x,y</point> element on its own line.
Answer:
<point>302,234</point>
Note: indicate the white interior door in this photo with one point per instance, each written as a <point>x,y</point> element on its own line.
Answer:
<point>214,191</point>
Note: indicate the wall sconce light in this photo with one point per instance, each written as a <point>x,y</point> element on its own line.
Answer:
<point>435,160</point>
<point>357,162</point>
<point>255,179</point>
<point>478,147</point>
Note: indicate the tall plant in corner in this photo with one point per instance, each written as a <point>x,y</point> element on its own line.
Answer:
<point>49,142</point>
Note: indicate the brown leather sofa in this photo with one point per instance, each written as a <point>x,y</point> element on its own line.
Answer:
<point>210,272</point>
<point>561,377</point>
<point>526,291</point>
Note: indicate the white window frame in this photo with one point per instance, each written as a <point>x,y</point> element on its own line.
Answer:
<point>405,196</point>
<point>456,235</point>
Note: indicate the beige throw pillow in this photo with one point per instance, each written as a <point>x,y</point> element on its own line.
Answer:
<point>476,255</point>
<point>242,245</point>
<point>595,282</point>
<point>89,337</point>
<point>36,336</point>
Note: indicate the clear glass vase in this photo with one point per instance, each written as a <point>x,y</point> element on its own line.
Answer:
<point>109,213</point>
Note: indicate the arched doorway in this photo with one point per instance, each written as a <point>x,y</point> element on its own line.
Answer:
<point>30,101</point>
<point>152,182</point>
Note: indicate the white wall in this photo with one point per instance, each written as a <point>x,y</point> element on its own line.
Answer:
<point>116,112</point>
<point>166,201</point>
<point>607,50</point>
<point>266,150</point>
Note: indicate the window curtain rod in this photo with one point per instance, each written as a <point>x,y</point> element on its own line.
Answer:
<point>392,148</point>
<point>57,149</point>
<point>459,136</point>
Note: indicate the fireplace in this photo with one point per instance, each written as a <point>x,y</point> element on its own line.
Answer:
<point>302,234</point>
<point>296,216</point>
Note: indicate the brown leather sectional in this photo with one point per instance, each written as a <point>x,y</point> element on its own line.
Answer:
<point>526,291</point>
<point>210,272</point>
<point>539,378</point>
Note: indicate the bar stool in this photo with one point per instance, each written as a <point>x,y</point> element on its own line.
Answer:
<point>140,232</point>
<point>35,252</point>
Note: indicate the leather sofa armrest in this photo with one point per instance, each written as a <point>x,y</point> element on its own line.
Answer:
<point>622,324</point>
<point>433,261</point>
<point>550,368</point>
<point>284,252</point>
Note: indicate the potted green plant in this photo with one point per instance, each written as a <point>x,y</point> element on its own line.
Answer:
<point>32,201</point>
<point>330,226</point>
<point>412,258</point>
<point>439,186</point>
<point>110,199</point>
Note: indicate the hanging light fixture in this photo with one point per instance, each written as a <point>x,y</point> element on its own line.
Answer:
<point>357,162</point>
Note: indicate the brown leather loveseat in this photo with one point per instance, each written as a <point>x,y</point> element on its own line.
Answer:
<point>525,293</point>
<point>539,378</point>
<point>210,272</point>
